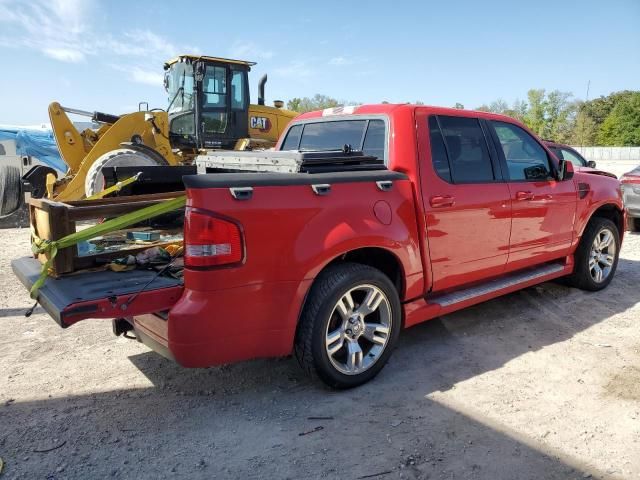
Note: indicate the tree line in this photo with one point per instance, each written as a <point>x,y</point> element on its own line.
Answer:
<point>612,120</point>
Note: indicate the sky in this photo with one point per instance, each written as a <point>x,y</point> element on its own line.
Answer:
<point>107,55</point>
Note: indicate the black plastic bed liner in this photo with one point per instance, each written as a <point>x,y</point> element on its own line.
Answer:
<point>99,294</point>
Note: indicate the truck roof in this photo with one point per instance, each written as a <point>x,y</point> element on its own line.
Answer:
<point>389,108</point>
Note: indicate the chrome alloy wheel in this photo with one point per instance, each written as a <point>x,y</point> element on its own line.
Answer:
<point>358,329</point>
<point>602,255</point>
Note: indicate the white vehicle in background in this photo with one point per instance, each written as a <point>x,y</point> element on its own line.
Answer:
<point>631,195</point>
<point>21,148</point>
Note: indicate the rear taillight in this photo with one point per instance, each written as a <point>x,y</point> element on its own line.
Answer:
<point>210,240</point>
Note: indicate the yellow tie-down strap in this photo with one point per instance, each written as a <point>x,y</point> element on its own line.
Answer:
<point>116,188</point>
<point>50,248</point>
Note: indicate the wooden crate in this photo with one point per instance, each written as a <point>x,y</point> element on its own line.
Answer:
<point>52,220</point>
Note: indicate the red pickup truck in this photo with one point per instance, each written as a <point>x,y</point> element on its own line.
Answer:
<point>332,266</point>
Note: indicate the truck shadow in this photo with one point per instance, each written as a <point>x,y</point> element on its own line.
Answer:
<point>256,419</point>
<point>148,433</point>
<point>12,312</point>
<point>439,353</point>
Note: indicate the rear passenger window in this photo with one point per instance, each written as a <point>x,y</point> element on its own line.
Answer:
<point>526,159</point>
<point>438,151</point>
<point>467,151</point>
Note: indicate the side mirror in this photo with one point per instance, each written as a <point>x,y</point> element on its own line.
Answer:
<point>565,170</point>
<point>591,164</point>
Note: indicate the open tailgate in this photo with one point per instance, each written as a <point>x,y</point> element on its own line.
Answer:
<point>101,294</point>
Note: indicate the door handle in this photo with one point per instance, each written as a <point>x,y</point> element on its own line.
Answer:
<point>441,201</point>
<point>524,196</point>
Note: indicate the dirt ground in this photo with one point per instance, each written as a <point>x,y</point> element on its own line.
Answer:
<point>543,383</point>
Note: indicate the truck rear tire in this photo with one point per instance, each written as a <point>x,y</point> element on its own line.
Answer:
<point>122,157</point>
<point>596,257</point>
<point>10,189</point>
<point>349,325</point>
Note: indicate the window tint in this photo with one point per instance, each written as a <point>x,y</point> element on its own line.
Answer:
<point>526,159</point>
<point>573,158</point>
<point>438,151</point>
<point>293,138</point>
<point>374,139</point>
<point>467,150</point>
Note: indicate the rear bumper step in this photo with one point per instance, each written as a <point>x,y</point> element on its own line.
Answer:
<point>102,294</point>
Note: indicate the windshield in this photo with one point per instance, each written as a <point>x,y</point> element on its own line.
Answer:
<point>180,87</point>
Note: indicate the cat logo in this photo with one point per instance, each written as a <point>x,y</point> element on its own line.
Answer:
<point>260,123</point>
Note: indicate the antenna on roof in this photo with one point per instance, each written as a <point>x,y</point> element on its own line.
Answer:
<point>585,101</point>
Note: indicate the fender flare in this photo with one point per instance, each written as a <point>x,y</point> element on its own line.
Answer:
<point>605,203</point>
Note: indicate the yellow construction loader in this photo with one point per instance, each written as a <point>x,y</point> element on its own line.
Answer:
<point>209,109</point>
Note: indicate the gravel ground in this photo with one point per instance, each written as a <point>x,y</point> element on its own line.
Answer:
<point>543,383</point>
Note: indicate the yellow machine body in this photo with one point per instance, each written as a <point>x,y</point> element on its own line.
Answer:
<point>147,129</point>
<point>80,149</point>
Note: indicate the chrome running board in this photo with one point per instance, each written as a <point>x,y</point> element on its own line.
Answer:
<point>510,280</point>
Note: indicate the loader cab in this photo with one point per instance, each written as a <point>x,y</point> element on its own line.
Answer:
<point>208,101</point>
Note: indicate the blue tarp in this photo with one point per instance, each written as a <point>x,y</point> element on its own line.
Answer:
<point>36,143</point>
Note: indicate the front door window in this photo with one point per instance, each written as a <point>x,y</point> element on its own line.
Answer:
<point>525,157</point>
<point>543,208</point>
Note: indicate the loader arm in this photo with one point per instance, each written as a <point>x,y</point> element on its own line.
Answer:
<point>81,150</point>
<point>70,141</point>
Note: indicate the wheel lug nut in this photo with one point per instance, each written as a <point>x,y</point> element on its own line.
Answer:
<point>349,332</point>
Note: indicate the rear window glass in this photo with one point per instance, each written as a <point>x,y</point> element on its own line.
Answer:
<point>374,139</point>
<point>332,135</point>
<point>293,138</point>
<point>367,136</point>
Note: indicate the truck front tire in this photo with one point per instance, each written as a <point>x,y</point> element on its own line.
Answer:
<point>596,257</point>
<point>349,325</point>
